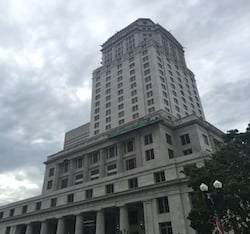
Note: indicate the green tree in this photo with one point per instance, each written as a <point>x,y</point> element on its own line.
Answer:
<point>230,165</point>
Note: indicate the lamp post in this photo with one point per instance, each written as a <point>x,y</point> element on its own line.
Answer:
<point>213,201</point>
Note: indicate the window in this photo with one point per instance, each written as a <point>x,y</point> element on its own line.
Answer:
<point>135,116</point>
<point>150,154</point>
<point>96,125</point>
<point>146,72</point>
<point>94,174</point>
<point>111,169</point>
<point>108,119</point>
<point>64,167</point>
<point>108,91</point>
<point>205,138</point>
<point>168,139</point>
<point>108,104</point>
<point>151,109</point>
<point>78,163</point>
<point>78,179</point>
<point>121,121</point>
<point>120,91</point>
<point>134,108</point>
<point>64,183</point>
<point>133,92</point>
<point>185,139</point>
<point>147,79</point>
<point>130,164</point>
<point>150,102</point>
<point>12,211</point>
<point>111,152</point>
<point>7,230</point>
<point>109,188</point>
<point>121,106</point>
<point>187,151</point>
<point>89,193</point>
<point>129,146</point>
<point>97,117</point>
<point>24,209</point>
<point>166,228</point>
<point>170,153</point>
<point>132,78</point>
<point>119,85</point>
<point>38,205</point>
<point>134,100</point>
<point>51,171</point>
<point>108,112</point>
<point>1,215</point>
<point>120,99</point>
<point>149,94</point>
<point>107,99</point>
<point>159,177</point>
<point>148,86</point>
<point>132,183</point>
<point>108,126</point>
<point>49,184</point>
<point>53,202</point>
<point>70,198</point>
<point>163,205</point>
<point>148,139</point>
<point>94,158</point>
<point>133,85</point>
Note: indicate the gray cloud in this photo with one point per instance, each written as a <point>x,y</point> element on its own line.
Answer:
<point>48,50</point>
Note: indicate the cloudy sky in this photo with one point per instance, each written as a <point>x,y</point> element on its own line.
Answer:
<point>48,50</point>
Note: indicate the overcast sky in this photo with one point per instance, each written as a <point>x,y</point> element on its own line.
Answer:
<point>48,50</point>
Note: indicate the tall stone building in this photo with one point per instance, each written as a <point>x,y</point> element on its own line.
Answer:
<point>121,173</point>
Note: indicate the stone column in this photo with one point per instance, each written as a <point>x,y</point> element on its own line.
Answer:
<point>100,223</point>
<point>29,229</point>
<point>124,225</point>
<point>149,216</point>
<point>60,226</point>
<point>44,227</point>
<point>79,224</point>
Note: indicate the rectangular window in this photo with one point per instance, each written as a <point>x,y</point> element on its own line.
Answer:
<point>129,146</point>
<point>166,228</point>
<point>49,184</point>
<point>78,163</point>
<point>24,209</point>
<point>89,193</point>
<point>205,138</point>
<point>135,116</point>
<point>148,139</point>
<point>53,202</point>
<point>130,164</point>
<point>148,86</point>
<point>168,139</point>
<point>1,215</point>
<point>187,151</point>
<point>64,183</point>
<point>150,102</point>
<point>170,153</point>
<point>133,218</point>
<point>12,211</point>
<point>133,92</point>
<point>163,205</point>
<point>134,108</point>
<point>70,198</point>
<point>149,94</point>
<point>94,174</point>
<point>111,169</point>
<point>94,158</point>
<point>78,178</point>
<point>159,177</point>
<point>121,121</point>
<point>38,205</point>
<point>7,230</point>
<point>132,183</point>
<point>121,106</point>
<point>185,139</point>
<point>109,188</point>
<point>150,154</point>
<point>51,171</point>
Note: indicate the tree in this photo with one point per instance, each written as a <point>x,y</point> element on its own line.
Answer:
<point>230,165</point>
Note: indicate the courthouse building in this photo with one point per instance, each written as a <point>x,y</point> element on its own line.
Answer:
<point>121,172</point>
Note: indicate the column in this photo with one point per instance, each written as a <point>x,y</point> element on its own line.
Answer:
<point>100,223</point>
<point>149,215</point>
<point>44,227</point>
<point>60,226</point>
<point>79,224</point>
<point>124,225</point>
<point>29,229</point>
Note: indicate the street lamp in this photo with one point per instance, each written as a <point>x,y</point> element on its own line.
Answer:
<point>213,201</point>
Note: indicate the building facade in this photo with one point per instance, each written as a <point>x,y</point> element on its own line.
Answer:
<point>122,172</point>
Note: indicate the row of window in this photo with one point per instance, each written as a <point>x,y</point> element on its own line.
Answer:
<point>159,177</point>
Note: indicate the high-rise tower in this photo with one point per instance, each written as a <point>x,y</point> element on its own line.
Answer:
<point>143,70</point>
<point>122,172</point>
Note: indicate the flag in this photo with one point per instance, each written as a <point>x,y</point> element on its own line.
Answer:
<point>218,224</point>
